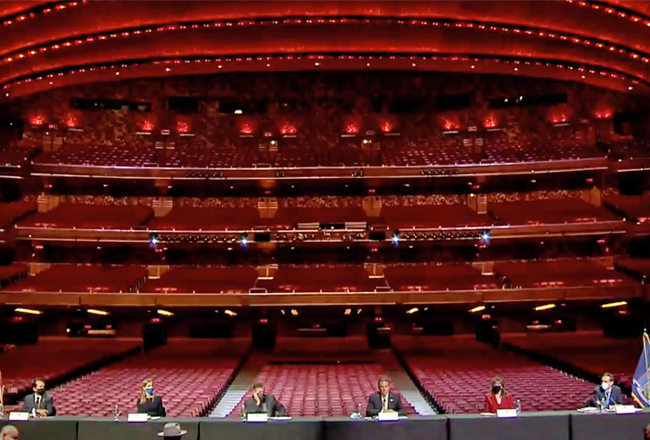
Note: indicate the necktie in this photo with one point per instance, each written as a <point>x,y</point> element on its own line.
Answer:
<point>38,402</point>
<point>385,402</point>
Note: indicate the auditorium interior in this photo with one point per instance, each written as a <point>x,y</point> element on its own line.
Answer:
<point>318,195</point>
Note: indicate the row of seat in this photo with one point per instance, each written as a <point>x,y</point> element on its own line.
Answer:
<point>457,372</point>
<point>323,278</point>
<point>69,215</point>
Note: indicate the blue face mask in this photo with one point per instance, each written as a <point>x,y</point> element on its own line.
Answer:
<point>149,391</point>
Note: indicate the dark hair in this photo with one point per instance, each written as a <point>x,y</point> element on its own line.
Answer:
<point>504,391</point>
<point>610,375</point>
<point>383,379</point>
<point>37,380</point>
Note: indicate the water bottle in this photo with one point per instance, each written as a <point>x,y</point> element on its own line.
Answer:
<point>603,404</point>
<point>518,406</point>
<point>116,414</point>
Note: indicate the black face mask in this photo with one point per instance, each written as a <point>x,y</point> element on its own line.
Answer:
<point>496,389</point>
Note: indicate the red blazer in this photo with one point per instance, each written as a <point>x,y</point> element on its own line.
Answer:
<point>491,405</point>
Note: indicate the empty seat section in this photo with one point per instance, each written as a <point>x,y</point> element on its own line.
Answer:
<point>427,216</point>
<point>590,351</point>
<point>550,212</point>
<point>98,155</point>
<point>559,273</point>
<point>457,372</point>
<point>90,217</point>
<point>207,219</point>
<point>192,279</point>
<point>633,207</point>
<point>321,279</point>
<point>636,266</point>
<point>189,375</point>
<point>289,218</point>
<point>320,389</point>
<point>11,273</point>
<point>51,358</point>
<point>14,156</point>
<point>418,277</point>
<point>82,278</point>
<point>10,212</point>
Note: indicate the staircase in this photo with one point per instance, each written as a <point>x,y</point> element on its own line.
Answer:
<point>240,386</point>
<point>401,380</point>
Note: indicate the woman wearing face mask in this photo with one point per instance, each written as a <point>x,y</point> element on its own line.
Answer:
<point>498,397</point>
<point>148,402</point>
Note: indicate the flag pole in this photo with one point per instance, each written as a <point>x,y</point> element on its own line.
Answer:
<point>645,355</point>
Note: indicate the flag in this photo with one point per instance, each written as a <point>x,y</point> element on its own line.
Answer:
<point>640,385</point>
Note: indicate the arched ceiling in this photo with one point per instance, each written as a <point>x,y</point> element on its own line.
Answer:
<point>50,44</point>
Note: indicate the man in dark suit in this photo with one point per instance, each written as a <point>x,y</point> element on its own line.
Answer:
<point>262,403</point>
<point>606,394</point>
<point>384,400</point>
<point>39,403</point>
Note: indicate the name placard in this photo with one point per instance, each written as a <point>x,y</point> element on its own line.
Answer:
<point>137,418</point>
<point>507,413</point>
<point>257,417</point>
<point>625,409</point>
<point>18,416</point>
<point>387,416</point>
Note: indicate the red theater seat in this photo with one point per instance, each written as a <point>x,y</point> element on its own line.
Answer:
<point>51,358</point>
<point>10,212</point>
<point>432,216</point>
<point>189,375</point>
<point>457,372</point>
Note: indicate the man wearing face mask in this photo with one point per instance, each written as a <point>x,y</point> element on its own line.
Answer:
<point>149,403</point>
<point>39,404</point>
<point>263,403</point>
<point>606,394</point>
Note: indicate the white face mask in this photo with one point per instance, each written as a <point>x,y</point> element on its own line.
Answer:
<point>605,386</point>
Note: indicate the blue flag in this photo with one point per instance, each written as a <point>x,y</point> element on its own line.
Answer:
<point>640,385</point>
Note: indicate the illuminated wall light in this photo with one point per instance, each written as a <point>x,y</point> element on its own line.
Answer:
<point>544,307</point>
<point>97,312</point>
<point>28,311</point>
<point>294,312</point>
<point>164,313</point>
<point>477,309</point>
<point>230,312</point>
<point>412,311</point>
<point>614,304</point>
<point>347,312</point>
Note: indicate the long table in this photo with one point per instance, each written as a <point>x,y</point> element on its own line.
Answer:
<point>556,425</point>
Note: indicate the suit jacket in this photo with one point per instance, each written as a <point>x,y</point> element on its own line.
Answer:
<point>491,404</point>
<point>269,405</point>
<point>374,404</point>
<point>615,397</point>
<point>154,407</point>
<point>46,403</point>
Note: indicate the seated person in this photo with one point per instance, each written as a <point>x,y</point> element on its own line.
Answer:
<point>606,393</point>
<point>148,403</point>
<point>262,403</point>
<point>498,397</point>
<point>384,400</point>
<point>9,432</point>
<point>39,403</point>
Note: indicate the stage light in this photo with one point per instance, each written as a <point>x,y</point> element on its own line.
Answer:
<point>614,304</point>
<point>230,312</point>
<point>97,312</point>
<point>485,237</point>
<point>347,312</point>
<point>165,313</point>
<point>477,309</point>
<point>396,238</point>
<point>294,312</point>
<point>544,307</point>
<point>28,311</point>
<point>244,241</point>
<point>412,311</point>
<point>154,241</point>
